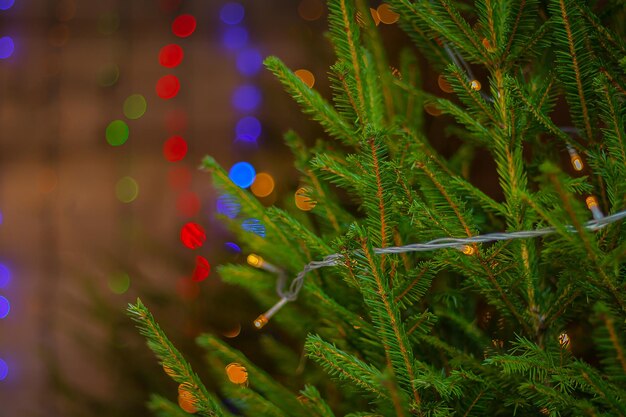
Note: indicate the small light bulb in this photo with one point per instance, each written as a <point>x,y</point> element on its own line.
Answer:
<point>260,321</point>
<point>475,85</point>
<point>255,260</point>
<point>591,202</point>
<point>564,340</point>
<point>577,162</point>
<point>468,250</point>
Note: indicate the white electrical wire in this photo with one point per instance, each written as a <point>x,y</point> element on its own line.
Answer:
<point>291,294</point>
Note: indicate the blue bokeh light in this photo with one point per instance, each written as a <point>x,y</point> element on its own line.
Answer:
<point>247,98</point>
<point>249,62</point>
<point>5,276</point>
<point>234,37</point>
<point>0,217</point>
<point>248,129</point>
<point>228,206</point>
<point>232,246</point>
<point>6,4</point>
<point>254,226</point>
<point>4,370</point>
<point>232,13</point>
<point>6,47</point>
<point>242,174</point>
<point>5,307</point>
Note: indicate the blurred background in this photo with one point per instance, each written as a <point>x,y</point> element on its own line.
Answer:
<point>106,110</point>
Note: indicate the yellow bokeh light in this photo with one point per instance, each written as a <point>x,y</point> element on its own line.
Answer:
<point>432,109</point>
<point>577,162</point>
<point>303,202</point>
<point>255,260</point>
<point>234,332</point>
<point>263,185</point>
<point>237,373</point>
<point>186,400</point>
<point>126,190</point>
<point>386,15</point>
<point>306,76</point>
<point>475,85</point>
<point>444,84</point>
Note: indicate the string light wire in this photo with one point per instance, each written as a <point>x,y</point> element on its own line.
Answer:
<point>335,259</point>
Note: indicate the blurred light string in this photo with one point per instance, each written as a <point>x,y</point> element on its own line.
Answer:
<point>336,259</point>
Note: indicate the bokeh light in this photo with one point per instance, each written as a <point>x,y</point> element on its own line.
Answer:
<point>5,307</point>
<point>311,9</point>
<point>263,185</point>
<point>119,283</point>
<point>108,23</point>
<point>249,62</point>
<point>234,332</point>
<point>386,15</point>
<point>232,13</point>
<point>135,106</point>
<point>6,47</point>
<point>254,226</point>
<point>247,98</point>
<point>6,4</point>
<point>108,75</point>
<point>168,86</point>
<point>175,148</point>
<point>375,16</point>
<point>303,201</point>
<point>4,370</point>
<point>248,129</point>
<point>306,76</point>
<point>186,400</point>
<point>432,109</point>
<point>117,133</point>
<point>202,269</point>
<point>1,218</point>
<point>192,235</point>
<point>184,25</point>
<point>5,276</point>
<point>242,174</point>
<point>171,55</point>
<point>175,120</point>
<point>232,247</point>
<point>188,204</point>
<point>179,177</point>
<point>444,84</point>
<point>228,206</point>
<point>234,37</point>
<point>237,373</point>
<point>127,190</point>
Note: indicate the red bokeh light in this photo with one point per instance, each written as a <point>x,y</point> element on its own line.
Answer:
<point>171,55</point>
<point>192,235</point>
<point>168,86</point>
<point>202,270</point>
<point>179,177</point>
<point>188,204</point>
<point>175,148</point>
<point>184,25</point>
<point>175,121</point>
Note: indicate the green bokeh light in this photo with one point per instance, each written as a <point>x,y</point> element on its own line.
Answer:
<point>119,283</point>
<point>108,23</point>
<point>117,133</point>
<point>108,75</point>
<point>135,106</point>
<point>126,190</point>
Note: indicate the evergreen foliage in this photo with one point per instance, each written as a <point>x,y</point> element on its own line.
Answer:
<point>526,327</point>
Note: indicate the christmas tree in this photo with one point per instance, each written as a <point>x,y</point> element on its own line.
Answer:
<point>423,294</point>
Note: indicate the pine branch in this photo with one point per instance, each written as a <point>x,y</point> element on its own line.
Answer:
<point>162,407</point>
<point>173,362</point>
<point>312,103</point>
